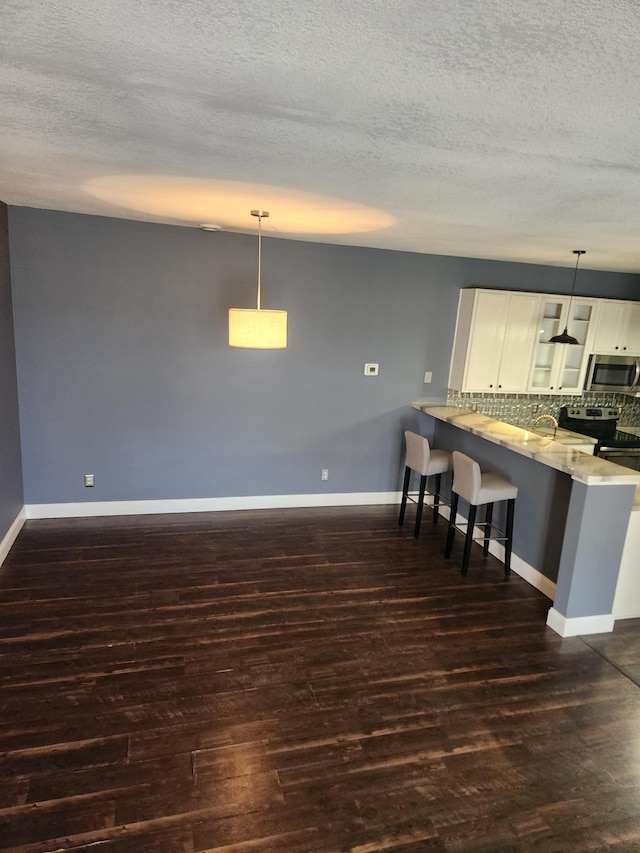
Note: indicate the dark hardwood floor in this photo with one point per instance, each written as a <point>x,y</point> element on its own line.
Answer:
<point>300,681</point>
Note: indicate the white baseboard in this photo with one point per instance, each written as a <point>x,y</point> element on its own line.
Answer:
<point>541,582</point>
<point>633,614</point>
<point>572,627</point>
<point>12,534</point>
<point>96,508</point>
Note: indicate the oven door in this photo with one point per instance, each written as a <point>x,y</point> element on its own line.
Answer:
<point>629,457</point>
<point>615,373</point>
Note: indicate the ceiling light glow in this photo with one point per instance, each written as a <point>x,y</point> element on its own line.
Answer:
<point>193,201</point>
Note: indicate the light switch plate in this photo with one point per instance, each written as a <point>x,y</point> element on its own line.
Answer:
<point>428,376</point>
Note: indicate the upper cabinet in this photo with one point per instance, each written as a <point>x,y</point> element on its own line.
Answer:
<point>618,329</point>
<point>502,340</point>
<point>561,368</point>
<point>494,340</point>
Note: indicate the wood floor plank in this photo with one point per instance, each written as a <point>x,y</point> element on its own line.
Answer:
<point>301,681</point>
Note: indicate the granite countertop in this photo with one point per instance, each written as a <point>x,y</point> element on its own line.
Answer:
<point>565,436</point>
<point>539,445</point>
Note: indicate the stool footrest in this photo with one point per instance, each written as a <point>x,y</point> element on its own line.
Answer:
<point>462,527</point>
<point>486,525</point>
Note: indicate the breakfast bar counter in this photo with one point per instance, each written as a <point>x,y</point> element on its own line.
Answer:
<point>572,510</point>
<point>555,448</point>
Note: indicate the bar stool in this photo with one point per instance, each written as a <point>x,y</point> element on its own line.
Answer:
<point>478,488</point>
<point>420,458</point>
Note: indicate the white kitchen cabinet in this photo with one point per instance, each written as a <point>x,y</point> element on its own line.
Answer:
<point>618,329</point>
<point>494,340</point>
<point>561,368</point>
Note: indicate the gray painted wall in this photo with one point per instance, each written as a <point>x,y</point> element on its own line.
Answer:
<point>10,462</point>
<point>125,372</point>
<point>597,524</point>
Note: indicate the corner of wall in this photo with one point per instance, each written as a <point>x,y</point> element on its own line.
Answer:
<point>11,535</point>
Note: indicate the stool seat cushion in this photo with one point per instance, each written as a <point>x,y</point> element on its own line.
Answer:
<point>420,458</point>
<point>479,488</point>
<point>494,488</point>
<point>439,462</point>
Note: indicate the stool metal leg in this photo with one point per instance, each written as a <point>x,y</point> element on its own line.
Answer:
<point>468,540</point>
<point>487,528</point>
<point>511,505</point>
<point>452,525</point>
<point>436,498</point>
<point>423,486</point>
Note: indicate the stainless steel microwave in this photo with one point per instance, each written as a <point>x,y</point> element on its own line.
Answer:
<point>616,373</point>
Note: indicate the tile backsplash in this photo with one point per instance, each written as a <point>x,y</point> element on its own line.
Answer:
<point>522,409</point>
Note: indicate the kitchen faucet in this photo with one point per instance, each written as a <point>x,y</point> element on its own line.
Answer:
<point>541,418</point>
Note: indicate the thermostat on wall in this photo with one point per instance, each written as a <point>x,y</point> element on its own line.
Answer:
<point>371,369</point>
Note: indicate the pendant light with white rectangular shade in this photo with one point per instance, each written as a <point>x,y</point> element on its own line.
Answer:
<point>258,328</point>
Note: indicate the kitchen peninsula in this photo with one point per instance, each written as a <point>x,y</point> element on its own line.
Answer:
<point>572,510</point>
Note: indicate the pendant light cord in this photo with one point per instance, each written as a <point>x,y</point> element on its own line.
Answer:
<point>259,256</point>
<point>577,253</point>
<point>565,337</point>
<point>260,214</point>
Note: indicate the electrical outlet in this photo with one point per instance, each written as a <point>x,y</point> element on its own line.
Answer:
<point>371,369</point>
<point>324,474</point>
<point>89,480</point>
<point>428,376</point>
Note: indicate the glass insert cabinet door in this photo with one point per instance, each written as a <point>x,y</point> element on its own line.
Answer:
<point>560,368</point>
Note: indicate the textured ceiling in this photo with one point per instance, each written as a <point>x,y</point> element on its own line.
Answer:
<point>504,129</point>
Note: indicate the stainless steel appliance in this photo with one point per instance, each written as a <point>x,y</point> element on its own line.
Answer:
<point>615,373</point>
<point>613,444</point>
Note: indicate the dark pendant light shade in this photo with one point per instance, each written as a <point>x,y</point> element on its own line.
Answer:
<point>565,337</point>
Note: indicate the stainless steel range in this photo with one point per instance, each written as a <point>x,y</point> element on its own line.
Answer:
<point>613,444</point>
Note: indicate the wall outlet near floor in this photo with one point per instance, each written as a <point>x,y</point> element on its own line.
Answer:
<point>89,480</point>
<point>324,474</point>
<point>371,369</point>
<point>428,376</point>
